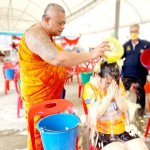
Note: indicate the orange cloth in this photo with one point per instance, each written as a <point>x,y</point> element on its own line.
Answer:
<point>113,120</point>
<point>40,81</point>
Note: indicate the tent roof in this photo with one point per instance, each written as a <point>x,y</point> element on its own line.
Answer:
<point>83,16</point>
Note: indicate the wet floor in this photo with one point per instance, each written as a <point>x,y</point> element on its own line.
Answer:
<point>14,138</point>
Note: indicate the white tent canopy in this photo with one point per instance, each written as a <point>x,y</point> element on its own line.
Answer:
<point>84,17</point>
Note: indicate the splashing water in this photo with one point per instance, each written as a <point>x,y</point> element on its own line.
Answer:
<point>130,99</point>
<point>120,143</point>
<point>92,120</point>
<point>67,128</point>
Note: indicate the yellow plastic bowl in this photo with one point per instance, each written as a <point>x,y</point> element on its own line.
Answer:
<point>116,50</point>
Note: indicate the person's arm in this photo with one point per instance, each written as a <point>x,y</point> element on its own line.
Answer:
<point>124,47</point>
<point>92,101</point>
<point>94,104</point>
<point>89,96</point>
<point>121,101</point>
<point>39,43</point>
<point>105,102</point>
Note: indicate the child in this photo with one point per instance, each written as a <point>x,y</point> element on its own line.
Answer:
<point>106,92</point>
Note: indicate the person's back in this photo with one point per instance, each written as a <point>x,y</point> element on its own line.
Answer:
<point>38,76</point>
<point>40,81</point>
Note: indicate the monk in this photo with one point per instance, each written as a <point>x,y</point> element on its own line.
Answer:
<point>43,63</point>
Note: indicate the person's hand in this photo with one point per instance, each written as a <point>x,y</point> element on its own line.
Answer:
<point>111,90</point>
<point>100,49</point>
<point>118,95</point>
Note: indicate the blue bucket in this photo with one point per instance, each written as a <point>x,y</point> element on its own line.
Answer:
<point>59,131</point>
<point>9,73</point>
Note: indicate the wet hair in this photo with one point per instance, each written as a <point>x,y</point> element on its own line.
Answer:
<point>111,69</point>
<point>52,7</point>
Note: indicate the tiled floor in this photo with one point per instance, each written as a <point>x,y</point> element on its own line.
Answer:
<point>12,131</point>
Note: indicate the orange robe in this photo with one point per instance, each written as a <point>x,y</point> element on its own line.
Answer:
<point>40,81</point>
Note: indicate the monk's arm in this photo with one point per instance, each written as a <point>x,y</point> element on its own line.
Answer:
<point>39,43</point>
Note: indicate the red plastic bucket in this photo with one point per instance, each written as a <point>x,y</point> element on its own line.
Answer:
<point>145,58</point>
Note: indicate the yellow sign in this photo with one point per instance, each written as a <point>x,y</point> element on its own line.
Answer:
<point>128,48</point>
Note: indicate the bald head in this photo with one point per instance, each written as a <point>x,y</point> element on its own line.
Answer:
<point>51,10</point>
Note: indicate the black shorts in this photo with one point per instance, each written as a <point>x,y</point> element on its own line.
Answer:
<point>105,139</point>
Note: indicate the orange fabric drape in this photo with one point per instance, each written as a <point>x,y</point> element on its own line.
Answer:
<point>40,81</point>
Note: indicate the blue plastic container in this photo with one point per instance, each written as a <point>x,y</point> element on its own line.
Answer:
<point>9,73</point>
<point>59,131</point>
<point>85,76</point>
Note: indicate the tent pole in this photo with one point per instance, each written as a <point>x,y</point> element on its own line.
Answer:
<point>117,13</point>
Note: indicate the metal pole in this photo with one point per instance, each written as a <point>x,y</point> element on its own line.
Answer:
<point>117,14</point>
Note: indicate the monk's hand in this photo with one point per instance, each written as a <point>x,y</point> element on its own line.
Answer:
<point>100,50</point>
